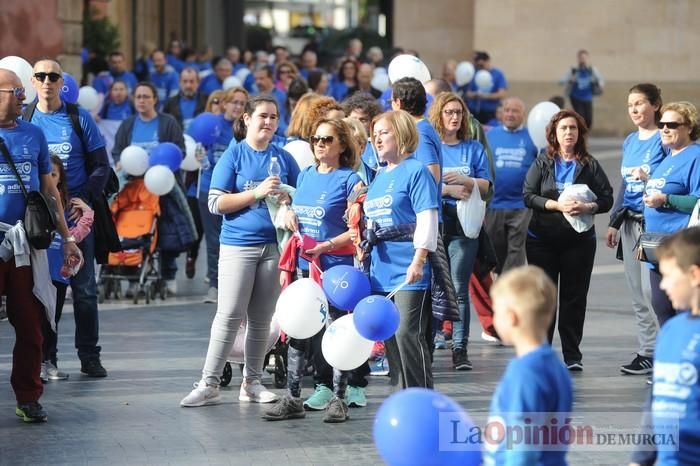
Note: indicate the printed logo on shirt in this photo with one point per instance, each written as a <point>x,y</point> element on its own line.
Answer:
<point>510,157</point>
<point>655,185</point>
<point>463,170</point>
<point>647,157</point>
<point>311,215</point>
<point>24,168</point>
<point>2,189</point>
<point>674,380</point>
<point>62,149</point>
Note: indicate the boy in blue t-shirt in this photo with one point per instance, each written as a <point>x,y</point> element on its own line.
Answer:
<point>536,387</point>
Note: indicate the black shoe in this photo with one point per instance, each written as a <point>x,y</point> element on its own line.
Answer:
<point>92,367</point>
<point>575,366</point>
<point>189,267</point>
<point>460,361</point>
<point>640,365</point>
<point>31,411</point>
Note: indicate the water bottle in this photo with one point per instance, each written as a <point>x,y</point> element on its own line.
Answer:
<point>274,169</point>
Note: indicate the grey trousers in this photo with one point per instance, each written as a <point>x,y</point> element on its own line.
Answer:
<point>507,229</point>
<point>248,288</point>
<point>637,276</point>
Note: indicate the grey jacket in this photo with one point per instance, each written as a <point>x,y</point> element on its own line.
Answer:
<point>168,131</point>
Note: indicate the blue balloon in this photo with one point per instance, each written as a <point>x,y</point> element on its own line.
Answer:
<point>70,90</point>
<point>409,430</point>
<point>205,128</point>
<point>168,154</point>
<point>345,286</point>
<point>376,318</point>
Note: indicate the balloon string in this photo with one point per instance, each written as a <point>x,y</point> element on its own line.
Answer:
<point>317,268</point>
<point>396,290</point>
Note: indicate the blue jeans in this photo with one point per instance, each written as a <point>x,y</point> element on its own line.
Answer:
<point>84,288</point>
<point>212,231</point>
<point>462,253</point>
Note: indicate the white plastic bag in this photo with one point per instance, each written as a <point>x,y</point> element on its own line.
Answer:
<point>581,193</point>
<point>471,212</point>
<point>695,216</point>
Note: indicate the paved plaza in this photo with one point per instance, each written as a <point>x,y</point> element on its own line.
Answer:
<point>154,354</point>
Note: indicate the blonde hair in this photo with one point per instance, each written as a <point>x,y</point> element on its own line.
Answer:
<point>530,293</point>
<point>210,101</point>
<point>690,116</point>
<point>359,134</point>
<point>435,115</point>
<point>232,91</point>
<point>404,128</point>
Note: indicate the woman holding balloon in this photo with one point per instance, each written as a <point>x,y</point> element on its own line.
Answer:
<point>249,255</point>
<point>319,203</point>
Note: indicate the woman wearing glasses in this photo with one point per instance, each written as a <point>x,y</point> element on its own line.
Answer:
<point>214,102</point>
<point>673,188</point>
<point>641,154</point>
<point>464,167</point>
<point>285,73</point>
<point>318,206</point>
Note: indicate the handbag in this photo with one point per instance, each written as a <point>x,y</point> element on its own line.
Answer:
<point>40,213</point>
<point>648,242</point>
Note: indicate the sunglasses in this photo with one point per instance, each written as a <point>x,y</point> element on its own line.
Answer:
<point>670,124</point>
<point>53,77</point>
<point>324,139</point>
<point>215,101</point>
<point>17,91</point>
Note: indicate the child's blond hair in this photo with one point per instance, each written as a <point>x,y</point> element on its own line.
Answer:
<point>530,293</point>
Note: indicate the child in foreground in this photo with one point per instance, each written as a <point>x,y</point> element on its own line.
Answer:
<point>535,390</point>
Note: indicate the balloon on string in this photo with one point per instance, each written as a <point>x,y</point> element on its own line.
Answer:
<point>409,425</point>
<point>301,151</point>
<point>134,160</point>
<point>242,74</point>
<point>302,309</point>
<point>464,73</point>
<point>237,354</point>
<point>345,286</point>
<point>168,154</point>
<point>69,90</point>
<point>408,66</point>
<point>380,81</point>
<point>159,180</point>
<point>204,128</point>
<point>376,318</point>
<point>344,348</point>
<point>231,81</point>
<point>190,162</point>
<point>537,121</point>
<point>23,69</point>
<point>483,80</point>
<point>88,98</point>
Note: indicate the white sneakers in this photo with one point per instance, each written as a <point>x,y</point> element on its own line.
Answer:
<point>204,395</point>
<point>257,393</point>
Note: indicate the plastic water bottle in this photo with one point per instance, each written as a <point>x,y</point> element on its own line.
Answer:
<point>274,169</point>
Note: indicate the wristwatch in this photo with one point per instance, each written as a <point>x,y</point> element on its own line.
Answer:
<point>69,239</point>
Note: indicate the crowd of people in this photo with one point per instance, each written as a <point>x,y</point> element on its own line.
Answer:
<point>406,157</point>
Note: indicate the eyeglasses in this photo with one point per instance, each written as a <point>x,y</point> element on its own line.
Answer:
<point>53,77</point>
<point>670,124</point>
<point>451,113</point>
<point>215,101</point>
<point>17,91</point>
<point>285,71</point>
<point>324,139</point>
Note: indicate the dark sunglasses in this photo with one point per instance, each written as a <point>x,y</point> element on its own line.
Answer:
<point>670,124</point>
<point>17,91</point>
<point>215,101</point>
<point>324,139</point>
<point>53,77</point>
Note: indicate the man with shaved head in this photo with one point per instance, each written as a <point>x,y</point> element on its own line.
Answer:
<point>26,145</point>
<point>507,218</point>
<point>73,135</point>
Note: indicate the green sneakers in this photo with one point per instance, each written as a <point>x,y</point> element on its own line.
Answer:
<point>31,411</point>
<point>320,399</point>
<point>355,397</point>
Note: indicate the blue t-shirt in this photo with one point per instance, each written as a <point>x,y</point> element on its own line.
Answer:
<point>466,157</point>
<point>394,198</point>
<point>339,90</point>
<point>119,112</point>
<point>564,171</point>
<point>187,107</point>
<point>429,151</point>
<point>636,153</point>
<point>499,82</point>
<point>370,157</point>
<point>104,80</point>
<point>145,134</point>
<point>222,142</point>
<point>677,174</point>
<point>320,202</point>
<point>534,383</point>
<point>30,154</point>
<point>67,145</point>
<point>175,62</point>
<point>242,168</point>
<point>513,153</point>
<point>676,390</point>
<point>582,88</point>
<point>210,84</point>
<point>167,84</point>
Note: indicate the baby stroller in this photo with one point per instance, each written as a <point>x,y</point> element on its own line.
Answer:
<point>135,211</point>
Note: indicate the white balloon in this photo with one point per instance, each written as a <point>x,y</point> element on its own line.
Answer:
<point>537,121</point>
<point>483,80</point>
<point>464,73</point>
<point>380,82</point>
<point>302,309</point>
<point>23,70</point>
<point>242,74</point>
<point>237,354</point>
<point>343,347</point>
<point>134,160</point>
<point>408,66</point>
<point>231,81</point>
<point>159,180</point>
<point>301,151</point>
<point>88,98</point>
<point>190,162</point>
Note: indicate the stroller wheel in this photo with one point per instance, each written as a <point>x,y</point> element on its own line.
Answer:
<point>226,375</point>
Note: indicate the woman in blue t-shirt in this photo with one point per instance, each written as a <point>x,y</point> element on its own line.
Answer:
<point>403,193</point>
<point>248,254</point>
<point>345,79</point>
<point>641,154</point>
<point>464,164</point>
<point>673,188</point>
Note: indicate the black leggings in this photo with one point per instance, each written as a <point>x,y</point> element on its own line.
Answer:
<point>659,300</point>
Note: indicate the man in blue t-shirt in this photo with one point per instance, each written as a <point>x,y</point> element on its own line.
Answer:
<point>264,81</point>
<point>117,72</point>
<point>26,146</point>
<point>215,81</point>
<point>484,102</point>
<point>87,172</point>
<point>163,77</point>
<point>507,217</point>
<point>583,82</point>
<point>188,103</point>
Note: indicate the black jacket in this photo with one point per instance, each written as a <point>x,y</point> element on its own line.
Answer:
<point>540,186</point>
<point>172,106</point>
